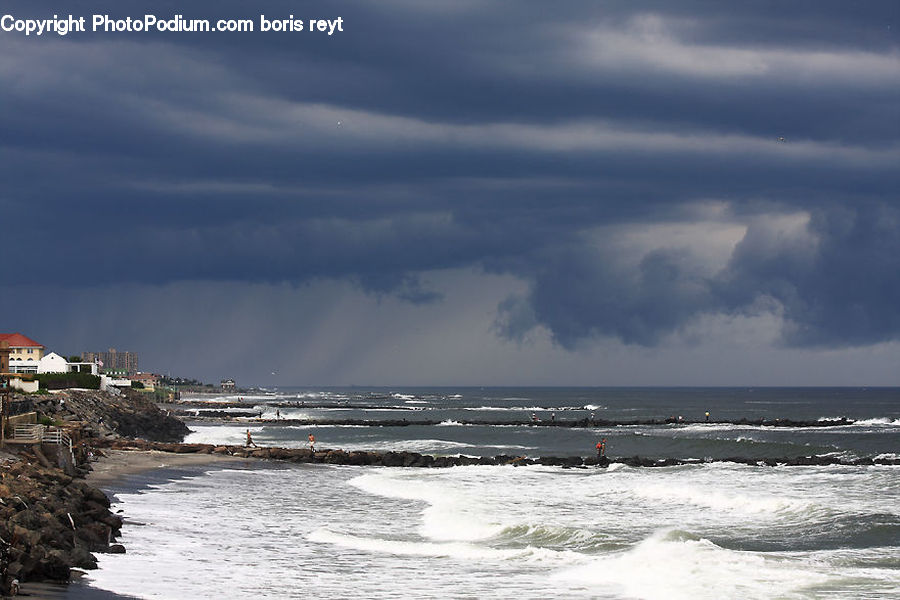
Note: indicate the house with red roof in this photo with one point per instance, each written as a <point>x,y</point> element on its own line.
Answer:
<point>24,353</point>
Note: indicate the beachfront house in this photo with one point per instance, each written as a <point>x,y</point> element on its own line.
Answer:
<point>24,353</point>
<point>54,363</point>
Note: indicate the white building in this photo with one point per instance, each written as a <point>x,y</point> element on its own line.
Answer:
<point>84,367</point>
<point>52,363</point>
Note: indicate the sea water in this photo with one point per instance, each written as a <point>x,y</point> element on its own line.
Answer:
<point>711,530</point>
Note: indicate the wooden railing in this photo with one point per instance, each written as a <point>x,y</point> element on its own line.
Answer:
<point>39,434</point>
<point>28,433</point>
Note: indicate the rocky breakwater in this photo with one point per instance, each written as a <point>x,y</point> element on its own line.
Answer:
<point>50,522</point>
<point>107,415</point>
<point>561,423</point>
<point>414,459</point>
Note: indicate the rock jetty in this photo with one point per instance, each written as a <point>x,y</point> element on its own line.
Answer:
<point>219,415</point>
<point>414,459</point>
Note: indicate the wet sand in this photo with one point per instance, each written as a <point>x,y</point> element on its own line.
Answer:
<point>117,464</point>
<point>109,469</point>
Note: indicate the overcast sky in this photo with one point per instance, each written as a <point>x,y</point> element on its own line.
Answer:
<point>461,192</point>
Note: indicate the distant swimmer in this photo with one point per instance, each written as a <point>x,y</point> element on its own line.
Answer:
<point>534,418</point>
<point>707,416</point>
<point>781,140</point>
<point>250,441</point>
<point>312,443</point>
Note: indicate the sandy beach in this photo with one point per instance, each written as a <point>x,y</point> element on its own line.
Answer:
<point>116,464</point>
<point>110,468</point>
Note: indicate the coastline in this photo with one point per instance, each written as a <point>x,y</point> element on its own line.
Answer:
<point>118,464</point>
<point>108,470</point>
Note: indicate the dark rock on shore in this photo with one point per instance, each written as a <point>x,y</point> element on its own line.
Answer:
<point>138,416</point>
<point>129,413</point>
<point>51,521</point>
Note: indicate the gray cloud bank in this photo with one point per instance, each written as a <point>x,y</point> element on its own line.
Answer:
<point>622,160</point>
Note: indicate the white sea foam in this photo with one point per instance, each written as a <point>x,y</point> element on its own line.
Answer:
<point>884,422</point>
<point>459,550</point>
<point>227,398</point>
<point>888,455</point>
<point>422,446</point>
<point>452,514</point>
<point>529,533</point>
<point>671,565</point>
<point>220,434</point>
<point>522,409</point>
<point>708,427</point>
<point>741,501</point>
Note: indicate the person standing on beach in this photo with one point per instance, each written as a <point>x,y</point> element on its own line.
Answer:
<point>312,443</point>
<point>250,441</point>
<point>601,447</point>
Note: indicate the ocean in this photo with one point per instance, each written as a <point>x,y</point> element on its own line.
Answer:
<point>259,529</point>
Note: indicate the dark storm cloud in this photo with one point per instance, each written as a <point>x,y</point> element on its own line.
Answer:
<point>493,136</point>
<point>840,285</point>
<point>833,277</point>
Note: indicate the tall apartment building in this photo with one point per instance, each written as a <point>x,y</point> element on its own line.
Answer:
<point>114,361</point>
